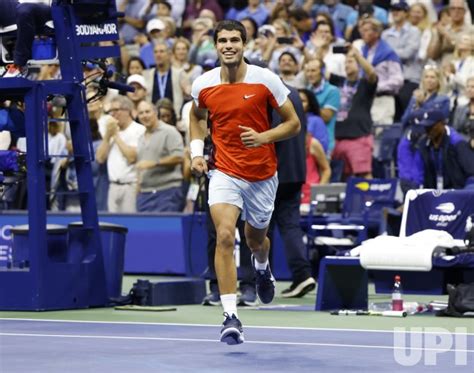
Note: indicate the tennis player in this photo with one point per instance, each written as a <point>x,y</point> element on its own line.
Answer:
<point>236,98</point>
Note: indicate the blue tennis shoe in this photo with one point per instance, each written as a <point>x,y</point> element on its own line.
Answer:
<point>232,332</point>
<point>265,283</point>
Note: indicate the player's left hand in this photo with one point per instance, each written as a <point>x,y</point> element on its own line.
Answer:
<point>251,138</point>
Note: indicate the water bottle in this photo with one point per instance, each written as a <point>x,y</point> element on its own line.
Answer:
<point>397,300</point>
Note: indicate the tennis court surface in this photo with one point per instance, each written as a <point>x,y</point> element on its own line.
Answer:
<point>29,345</point>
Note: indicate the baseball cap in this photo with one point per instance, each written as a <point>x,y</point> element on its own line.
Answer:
<point>267,29</point>
<point>155,24</point>
<point>428,118</point>
<point>136,78</point>
<point>401,5</point>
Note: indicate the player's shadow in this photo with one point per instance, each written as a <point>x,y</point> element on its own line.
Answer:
<point>236,353</point>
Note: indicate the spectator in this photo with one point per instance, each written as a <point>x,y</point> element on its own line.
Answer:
<point>321,45</point>
<point>138,82</point>
<point>279,11</point>
<point>202,47</point>
<point>131,25</point>
<point>418,17</point>
<point>119,150</point>
<point>159,160</point>
<point>315,124</point>
<point>388,68</point>
<point>194,8</point>
<point>100,177</point>
<point>428,96</point>
<point>366,7</point>
<point>354,139</point>
<point>339,13</point>
<point>164,80</point>
<point>318,170</point>
<point>288,66</point>
<point>328,96</point>
<point>460,68</point>
<point>404,39</point>
<point>166,112</point>
<point>251,28</point>
<point>256,54</point>
<point>256,10</point>
<point>162,8</point>
<point>444,36</point>
<point>303,23</point>
<point>155,32</point>
<point>282,41</point>
<point>434,162</point>
<point>465,151</point>
<point>463,120</point>
<point>135,65</point>
<point>180,60</point>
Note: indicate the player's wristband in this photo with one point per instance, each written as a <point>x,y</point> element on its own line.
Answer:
<point>197,148</point>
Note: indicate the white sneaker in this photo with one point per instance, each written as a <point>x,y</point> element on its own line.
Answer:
<point>15,71</point>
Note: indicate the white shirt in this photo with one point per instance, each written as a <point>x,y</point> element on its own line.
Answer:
<point>117,165</point>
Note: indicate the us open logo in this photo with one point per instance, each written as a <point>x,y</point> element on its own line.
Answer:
<point>412,346</point>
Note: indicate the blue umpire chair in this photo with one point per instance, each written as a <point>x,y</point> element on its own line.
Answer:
<point>47,276</point>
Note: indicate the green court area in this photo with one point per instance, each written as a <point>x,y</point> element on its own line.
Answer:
<point>280,316</point>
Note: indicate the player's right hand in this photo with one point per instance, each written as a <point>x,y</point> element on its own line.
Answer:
<point>199,166</point>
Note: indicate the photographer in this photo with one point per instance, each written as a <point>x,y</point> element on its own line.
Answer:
<point>354,140</point>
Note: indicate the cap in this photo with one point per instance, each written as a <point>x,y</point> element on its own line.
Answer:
<point>401,5</point>
<point>209,63</point>
<point>427,118</point>
<point>155,24</point>
<point>288,53</point>
<point>267,28</point>
<point>138,79</point>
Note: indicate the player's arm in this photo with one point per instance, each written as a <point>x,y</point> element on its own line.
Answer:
<point>198,132</point>
<point>289,127</point>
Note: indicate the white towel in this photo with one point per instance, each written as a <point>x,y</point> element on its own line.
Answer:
<point>413,253</point>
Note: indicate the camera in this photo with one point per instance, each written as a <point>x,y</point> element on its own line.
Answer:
<point>339,49</point>
<point>285,40</point>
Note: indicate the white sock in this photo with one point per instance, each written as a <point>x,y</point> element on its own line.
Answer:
<point>261,266</point>
<point>229,303</point>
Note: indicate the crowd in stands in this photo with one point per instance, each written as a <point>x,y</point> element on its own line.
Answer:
<point>359,66</point>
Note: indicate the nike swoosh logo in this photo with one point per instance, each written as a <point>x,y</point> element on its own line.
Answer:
<point>246,97</point>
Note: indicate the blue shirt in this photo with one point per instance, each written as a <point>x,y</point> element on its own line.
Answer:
<point>339,13</point>
<point>329,97</point>
<point>259,16</point>
<point>318,130</point>
<point>379,13</point>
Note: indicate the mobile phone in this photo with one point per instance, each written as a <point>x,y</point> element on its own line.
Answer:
<point>339,49</point>
<point>285,40</point>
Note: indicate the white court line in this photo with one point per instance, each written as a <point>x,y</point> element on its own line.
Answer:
<point>215,326</point>
<point>215,341</point>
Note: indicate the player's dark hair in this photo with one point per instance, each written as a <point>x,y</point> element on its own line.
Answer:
<point>230,25</point>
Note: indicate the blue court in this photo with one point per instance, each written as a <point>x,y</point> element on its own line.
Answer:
<point>77,346</point>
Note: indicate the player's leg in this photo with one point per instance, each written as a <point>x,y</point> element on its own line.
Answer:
<point>259,198</point>
<point>225,206</point>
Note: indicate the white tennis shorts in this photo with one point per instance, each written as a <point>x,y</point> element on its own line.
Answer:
<point>255,198</point>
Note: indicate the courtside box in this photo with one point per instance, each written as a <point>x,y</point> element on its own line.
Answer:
<point>113,238</point>
<point>56,244</point>
<point>176,292</point>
